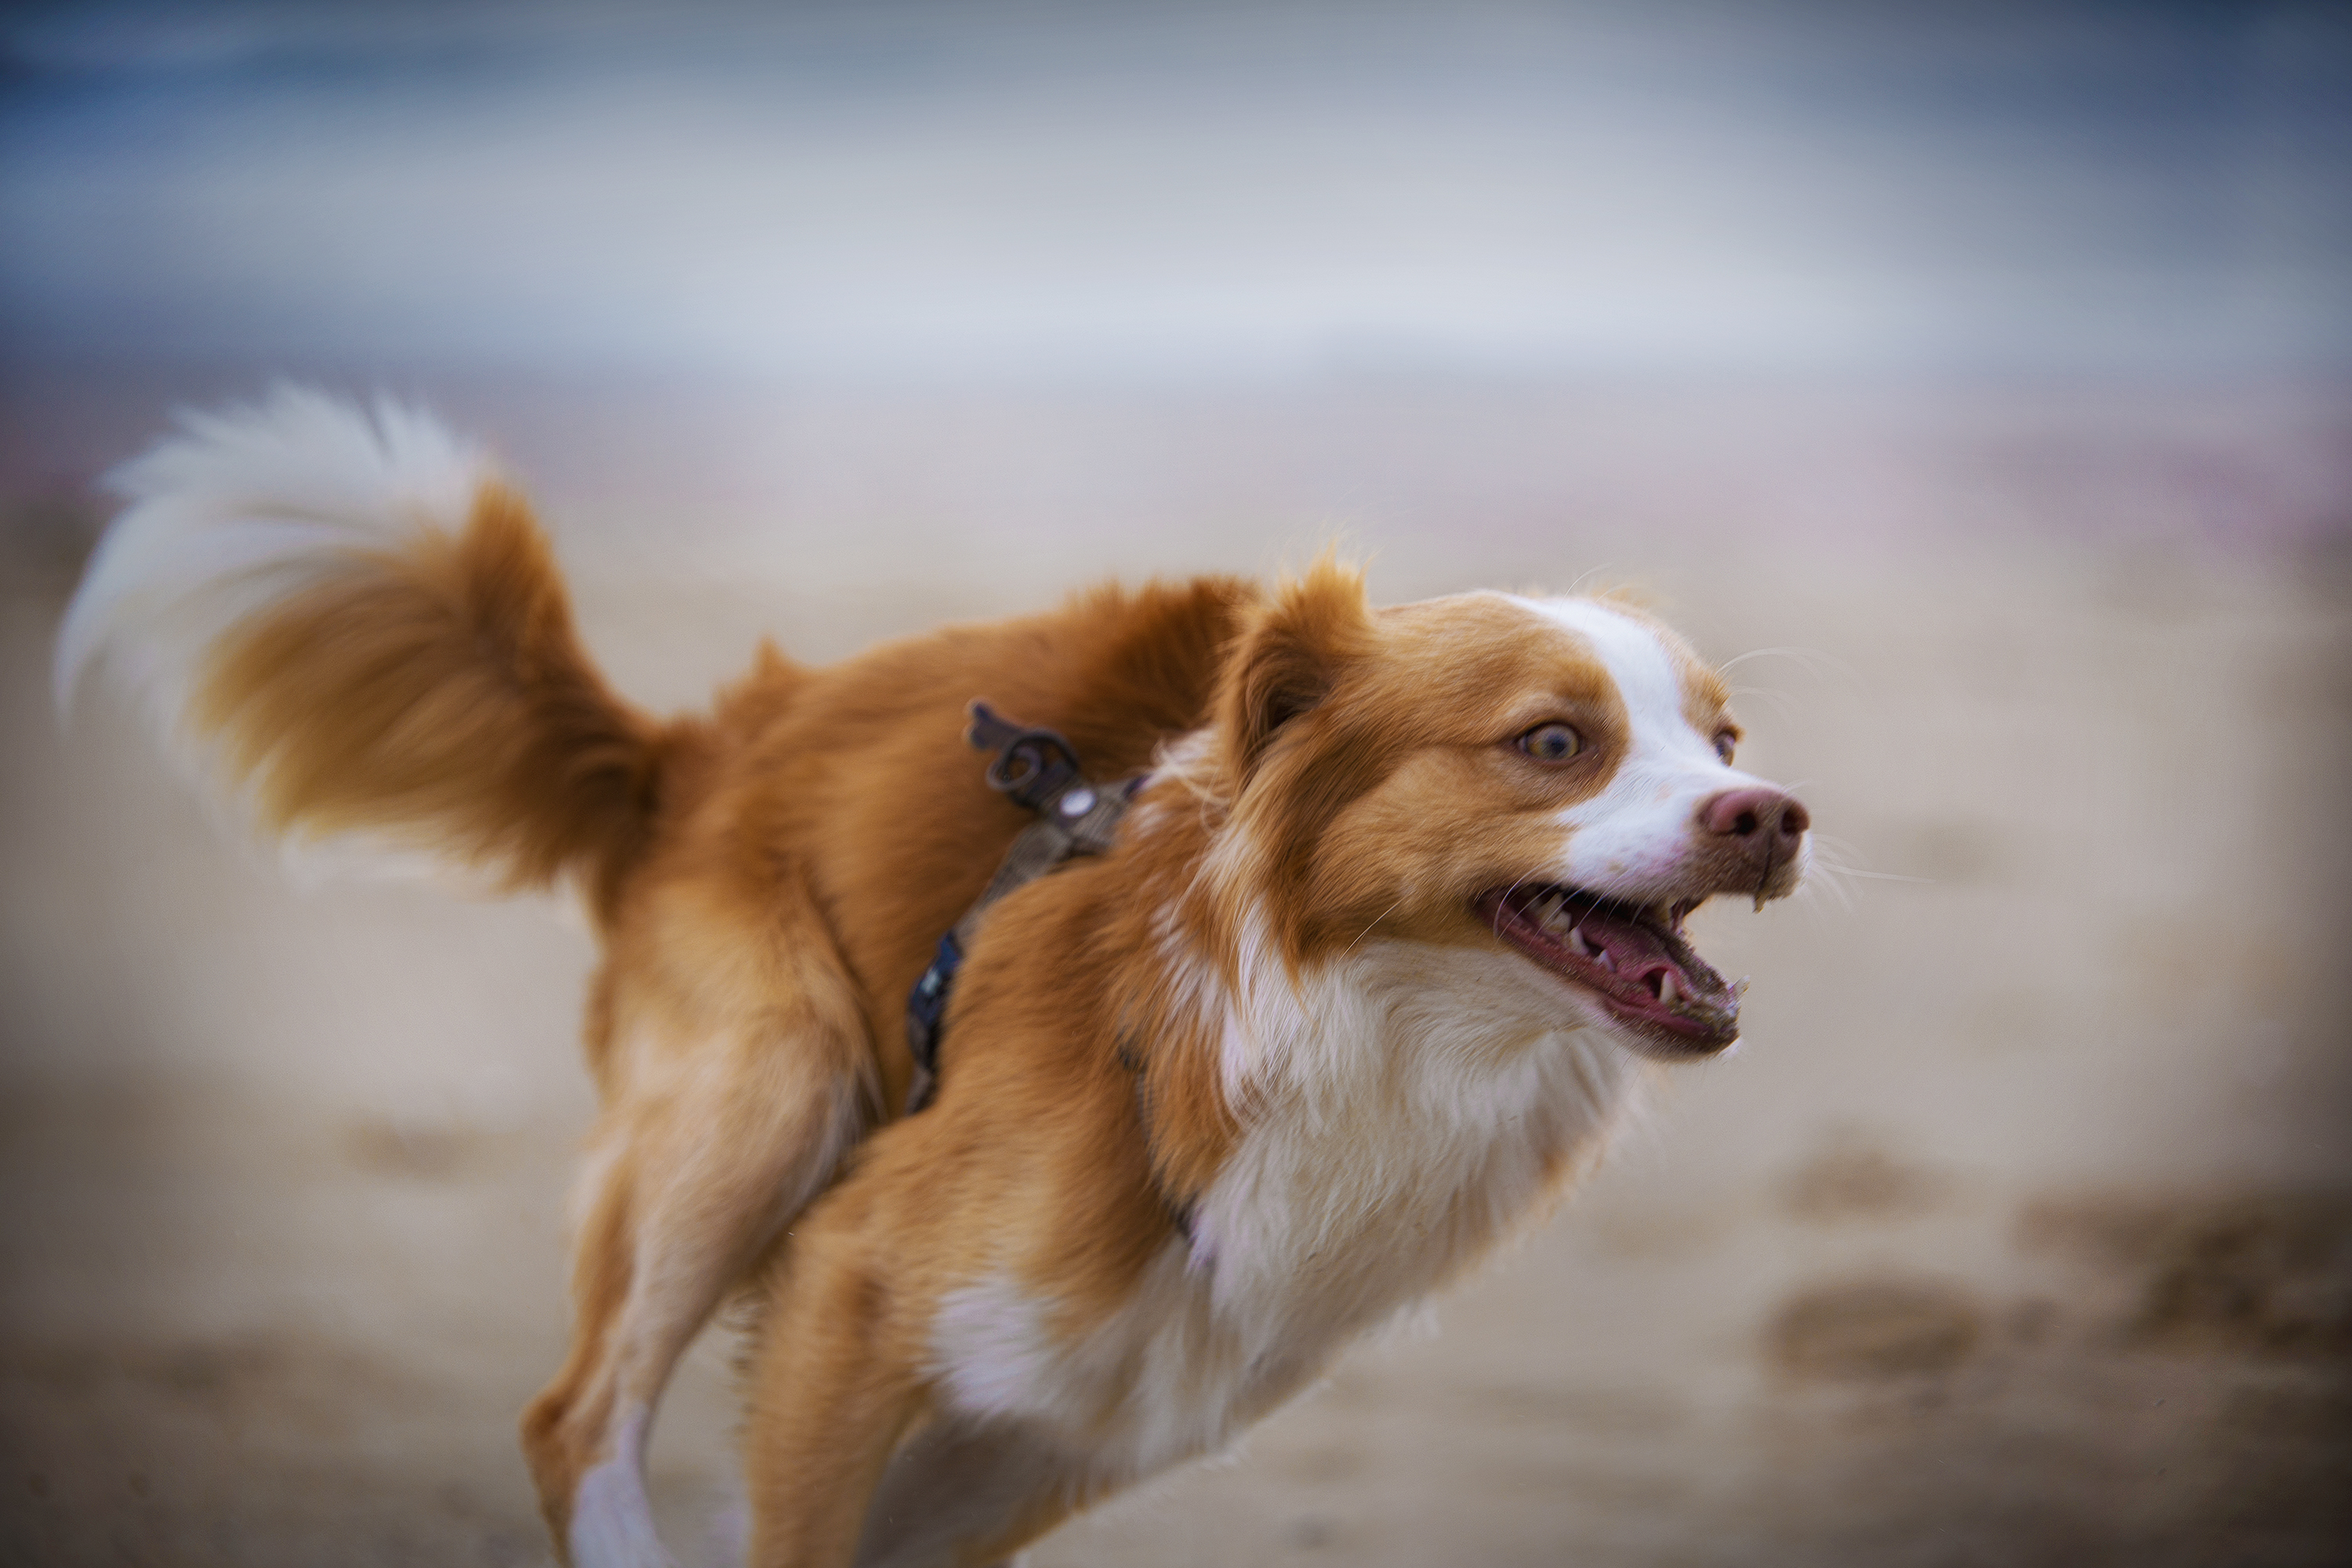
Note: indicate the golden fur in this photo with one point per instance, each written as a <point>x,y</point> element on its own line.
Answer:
<point>1336,786</point>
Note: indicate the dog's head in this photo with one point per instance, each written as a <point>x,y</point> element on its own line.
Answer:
<point>1547,778</point>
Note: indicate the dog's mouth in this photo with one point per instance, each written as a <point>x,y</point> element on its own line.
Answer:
<point>1631,956</point>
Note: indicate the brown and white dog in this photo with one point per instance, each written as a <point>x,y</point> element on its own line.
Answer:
<point>1385,943</point>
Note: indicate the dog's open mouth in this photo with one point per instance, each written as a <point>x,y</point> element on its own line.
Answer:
<point>1633,956</point>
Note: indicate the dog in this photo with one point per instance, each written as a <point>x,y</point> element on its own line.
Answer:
<point>1388,937</point>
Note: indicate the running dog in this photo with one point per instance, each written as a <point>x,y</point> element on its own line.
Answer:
<point>1389,933</point>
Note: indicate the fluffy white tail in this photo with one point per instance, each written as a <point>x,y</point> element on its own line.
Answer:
<point>356,623</point>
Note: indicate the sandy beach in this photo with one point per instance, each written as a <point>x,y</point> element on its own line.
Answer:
<point>2017,1231</point>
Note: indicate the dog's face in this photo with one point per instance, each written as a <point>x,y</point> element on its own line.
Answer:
<point>1553,779</point>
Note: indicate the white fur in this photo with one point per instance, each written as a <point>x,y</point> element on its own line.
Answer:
<point>1414,1103</point>
<point>1631,840</point>
<point>612,1524</point>
<point>1408,1123</point>
<point>243,508</point>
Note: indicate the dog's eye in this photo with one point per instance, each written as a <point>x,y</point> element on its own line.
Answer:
<point>1725,744</point>
<point>1551,743</point>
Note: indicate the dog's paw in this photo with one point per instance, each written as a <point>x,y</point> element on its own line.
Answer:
<point>612,1522</point>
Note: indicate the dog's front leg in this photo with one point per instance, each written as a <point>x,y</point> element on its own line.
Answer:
<point>836,1384</point>
<point>964,1491</point>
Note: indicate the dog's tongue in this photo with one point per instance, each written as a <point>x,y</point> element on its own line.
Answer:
<point>1635,950</point>
<point>1641,953</point>
<point>1644,971</point>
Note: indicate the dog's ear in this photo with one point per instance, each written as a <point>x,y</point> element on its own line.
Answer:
<point>1289,657</point>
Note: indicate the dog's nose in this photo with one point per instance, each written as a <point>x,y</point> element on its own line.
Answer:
<point>1771,821</point>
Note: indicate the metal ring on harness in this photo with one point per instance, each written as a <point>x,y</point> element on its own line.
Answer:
<point>1033,765</point>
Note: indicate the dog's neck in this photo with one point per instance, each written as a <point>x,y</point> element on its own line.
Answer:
<point>1400,1112</point>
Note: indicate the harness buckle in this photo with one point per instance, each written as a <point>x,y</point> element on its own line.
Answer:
<point>1034,766</point>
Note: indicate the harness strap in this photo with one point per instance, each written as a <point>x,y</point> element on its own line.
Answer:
<point>1038,769</point>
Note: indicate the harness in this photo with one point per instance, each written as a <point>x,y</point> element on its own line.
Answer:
<point>1039,770</point>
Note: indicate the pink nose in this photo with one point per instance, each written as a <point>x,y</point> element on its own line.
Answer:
<point>1748,813</point>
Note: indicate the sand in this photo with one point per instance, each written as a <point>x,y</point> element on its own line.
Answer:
<point>2019,1229</point>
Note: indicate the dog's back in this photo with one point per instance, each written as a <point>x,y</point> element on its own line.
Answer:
<point>864,780</point>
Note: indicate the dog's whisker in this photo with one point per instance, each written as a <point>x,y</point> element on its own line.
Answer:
<point>1505,899</point>
<point>1812,661</point>
<point>1780,701</point>
<point>1839,856</point>
<point>1368,930</point>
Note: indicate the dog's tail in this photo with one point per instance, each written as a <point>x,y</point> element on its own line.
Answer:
<point>356,623</point>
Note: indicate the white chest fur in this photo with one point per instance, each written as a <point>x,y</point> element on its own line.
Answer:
<point>1410,1105</point>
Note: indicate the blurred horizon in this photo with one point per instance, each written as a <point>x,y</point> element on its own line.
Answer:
<point>927,194</point>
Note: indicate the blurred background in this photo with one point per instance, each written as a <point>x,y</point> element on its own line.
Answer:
<point>1975,376</point>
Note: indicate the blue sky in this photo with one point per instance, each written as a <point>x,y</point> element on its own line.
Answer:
<point>915,191</point>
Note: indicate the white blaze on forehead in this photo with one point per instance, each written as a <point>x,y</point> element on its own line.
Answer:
<point>1648,675</point>
<point>1632,838</point>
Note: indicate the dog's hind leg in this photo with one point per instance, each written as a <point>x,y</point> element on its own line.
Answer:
<point>731,1090</point>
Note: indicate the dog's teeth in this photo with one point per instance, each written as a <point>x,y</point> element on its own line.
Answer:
<point>1666,989</point>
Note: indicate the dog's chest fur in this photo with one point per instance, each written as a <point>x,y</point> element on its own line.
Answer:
<point>1407,1113</point>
